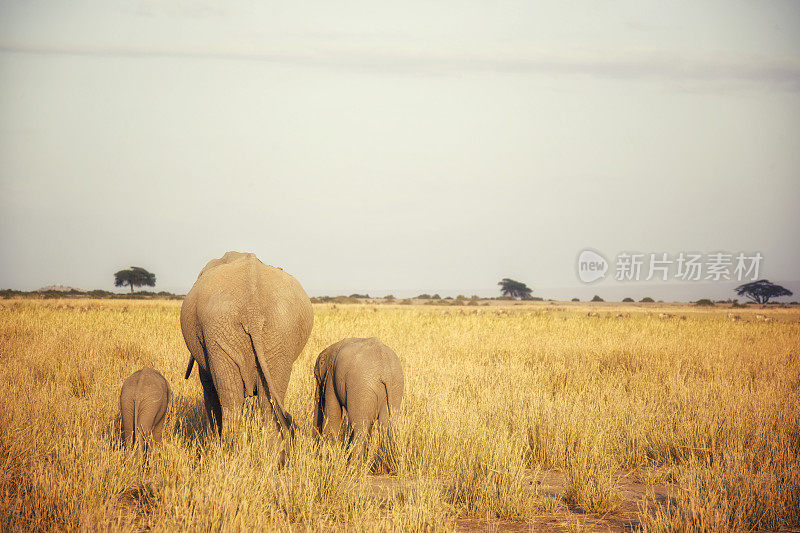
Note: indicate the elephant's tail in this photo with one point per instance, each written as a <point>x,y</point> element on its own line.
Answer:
<point>189,367</point>
<point>385,411</point>
<point>135,432</point>
<point>266,388</point>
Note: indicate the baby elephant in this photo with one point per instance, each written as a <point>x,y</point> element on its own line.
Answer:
<point>363,377</point>
<point>143,403</point>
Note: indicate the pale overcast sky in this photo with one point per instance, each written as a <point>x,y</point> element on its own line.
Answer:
<point>420,147</point>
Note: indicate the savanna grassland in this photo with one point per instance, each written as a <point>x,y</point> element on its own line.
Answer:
<point>523,417</point>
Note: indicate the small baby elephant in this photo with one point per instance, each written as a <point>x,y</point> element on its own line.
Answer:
<point>143,403</point>
<point>363,377</point>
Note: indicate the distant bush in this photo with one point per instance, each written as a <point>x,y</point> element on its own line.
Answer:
<point>576,299</point>
<point>389,297</point>
<point>436,297</point>
<point>98,293</point>
<point>442,302</point>
<point>535,299</point>
<point>596,298</point>
<point>359,296</point>
<point>504,298</point>
<point>424,297</point>
<point>405,302</point>
<point>10,293</point>
<point>448,297</point>
<point>48,295</point>
<point>737,305</point>
<point>335,300</point>
<point>345,300</point>
<point>142,295</point>
<point>704,302</point>
<point>646,300</point>
<point>627,300</point>
<point>165,294</point>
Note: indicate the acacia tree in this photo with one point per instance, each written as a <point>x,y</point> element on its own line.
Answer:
<point>134,277</point>
<point>762,291</point>
<point>515,289</point>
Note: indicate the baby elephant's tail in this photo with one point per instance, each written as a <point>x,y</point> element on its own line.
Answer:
<point>136,440</point>
<point>385,411</point>
<point>387,452</point>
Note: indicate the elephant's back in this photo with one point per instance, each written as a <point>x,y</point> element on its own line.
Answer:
<point>145,383</point>
<point>371,356</point>
<point>390,369</point>
<point>240,289</point>
<point>154,379</point>
<point>284,308</point>
<point>247,283</point>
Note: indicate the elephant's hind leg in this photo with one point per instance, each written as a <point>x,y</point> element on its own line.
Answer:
<point>126,409</point>
<point>332,418</point>
<point>158,428</point>
<point>128,430</point>
<point>362,412</point>
<point>145,423</point>
<point>230,391</point>
<point>361,430</point>
<point>211,400</point>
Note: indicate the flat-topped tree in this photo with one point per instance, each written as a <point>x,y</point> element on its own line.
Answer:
<point>762,291</point>
<point>515,289</point>
<point>134,277</point>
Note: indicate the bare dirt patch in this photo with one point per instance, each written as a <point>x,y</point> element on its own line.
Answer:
<point>550,485</point>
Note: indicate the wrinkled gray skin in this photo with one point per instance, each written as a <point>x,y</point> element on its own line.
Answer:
<point>143,403</point>
<point>245,323</point>
<point>362,377</point>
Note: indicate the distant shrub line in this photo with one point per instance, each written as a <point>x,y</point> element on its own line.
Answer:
<point>98,293</point>
<point>352,299</point>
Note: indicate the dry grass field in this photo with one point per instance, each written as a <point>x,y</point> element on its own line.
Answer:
<point>527,417</point>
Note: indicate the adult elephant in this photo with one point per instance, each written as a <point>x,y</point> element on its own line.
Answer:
<point>245,323</point>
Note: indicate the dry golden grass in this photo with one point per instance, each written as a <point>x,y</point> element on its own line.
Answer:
<point>494,396</point>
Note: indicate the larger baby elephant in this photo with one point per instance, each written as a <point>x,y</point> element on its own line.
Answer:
<point>363,377</point>
<point>143,403</point>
